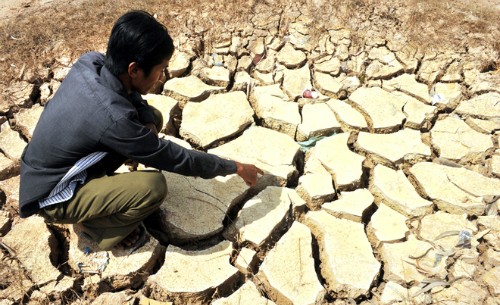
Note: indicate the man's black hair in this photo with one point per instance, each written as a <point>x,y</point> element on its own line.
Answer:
<point>137,37</point>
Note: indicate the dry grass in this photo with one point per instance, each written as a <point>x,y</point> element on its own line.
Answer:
<point>68,30</point>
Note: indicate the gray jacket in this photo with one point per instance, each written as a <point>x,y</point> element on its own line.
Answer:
<point>91,112</point>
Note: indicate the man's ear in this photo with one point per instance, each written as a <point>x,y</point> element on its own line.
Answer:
<point>133,69</point>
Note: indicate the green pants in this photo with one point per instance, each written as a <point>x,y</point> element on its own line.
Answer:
<point>111,206</point>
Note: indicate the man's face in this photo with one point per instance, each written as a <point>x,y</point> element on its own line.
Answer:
<point>142,83</point>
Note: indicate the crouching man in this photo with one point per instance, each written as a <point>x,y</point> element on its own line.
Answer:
<point>94,123</point>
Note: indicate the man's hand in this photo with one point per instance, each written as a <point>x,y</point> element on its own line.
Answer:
<point>248,173</point>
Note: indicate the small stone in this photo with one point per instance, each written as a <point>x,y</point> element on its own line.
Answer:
<point>342,242</point>
<point>484,126</point>
<point>395,190</point>
<point>384,69</point>
<point>260,217</point>
<point>11,143</point>
<point>316,189</point>
<point>178,64</point>
<point>257,46</point>
<point>486,106</point>
<point>313,164</point>
<point>264,78</point>
<point>291,58</point>
<point>491,258</point>
<point>168,108</point>
<point>244,63</point>
<point>331,66</point>
<point>483,82</point>
<point>295,81</point>
<point>111,298</point>
<point>195,208</point>
<point>268,63</point>
<point>345,166</point>
<point>45,93</point>
<point>273,152</point>
<point>396,294</point>
<point>418,114</point>
<point>408,59</point>
<point>301,42</point>
<point>288,272</point>
<point>454,190</point>
<point>492,278</point>
<point>19,93</point>
<point>431,70</point>
<point>7,167</point>
<point>342,52</point>
<point>5,222</point>
<point>325,45</point>
<point>465,267</point>
<point>189,88</point>
<point>408,84</point>
<point>236,44</point>
<point>453,73</point>
<point>35,255</point>
<point>357,63</point>
<point>299,205</point>
<point>347,115</point>
<point>446,95</point>
<point>275,43</point>
<point>351,205</point>
<point>491,223</point>
<point>231,63</point>
<point>386,226</point>
<point>276,111</point>
<point>241,81</point>
<point>328,85</point>
<point>216,76</point>
<point>317,120</point>
<point>382,54</point>
<point>432,226</point>
<point>464,292</point>
<point>395,147</point>
<point>58,287</point>
<point>218,117</point>
<point>400,267</point>
<point>248,294</point>
<point>11,189</point>
<point>454,139</point>
<point>147,301</point>
<point>383,108</point>
<point>246,260</point>
<point>60,73</point>
<point>349,83</point>
<point>191,277</point>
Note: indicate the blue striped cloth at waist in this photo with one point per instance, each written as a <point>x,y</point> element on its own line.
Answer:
<point>65,189</point>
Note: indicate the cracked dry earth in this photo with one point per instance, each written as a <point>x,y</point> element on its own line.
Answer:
<point>382,190</point>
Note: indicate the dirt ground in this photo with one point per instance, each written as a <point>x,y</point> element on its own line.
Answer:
<point>37,36</point>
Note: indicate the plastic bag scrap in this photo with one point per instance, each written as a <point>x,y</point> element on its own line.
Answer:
<point>311,142</point>
<point>98,263</point>
<point>464,241</point>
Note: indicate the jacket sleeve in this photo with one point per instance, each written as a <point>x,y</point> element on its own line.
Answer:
<point>133,140</point>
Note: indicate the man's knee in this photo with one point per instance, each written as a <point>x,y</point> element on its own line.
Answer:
<point>157,187</point>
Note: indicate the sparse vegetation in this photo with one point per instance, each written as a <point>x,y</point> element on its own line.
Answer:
<point>30,43</point>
